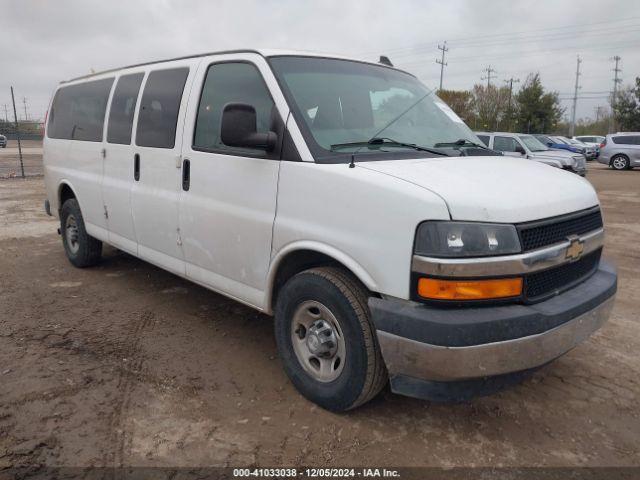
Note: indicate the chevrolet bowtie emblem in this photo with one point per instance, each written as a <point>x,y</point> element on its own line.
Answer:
<point>575,248</point>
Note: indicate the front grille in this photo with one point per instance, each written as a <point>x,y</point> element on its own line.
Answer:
<point>540,285</point>
<point>547,232</point>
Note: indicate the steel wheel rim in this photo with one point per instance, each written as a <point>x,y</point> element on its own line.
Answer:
<point>619,163</point>
<point>71,234</point>
<point>318,341</point>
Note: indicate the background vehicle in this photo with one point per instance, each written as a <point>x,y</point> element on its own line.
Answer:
<point>591,140</point>
<point>336,195</point>
<point>3,141</point>
<point>621,151</point>
<point>590,152</point>
<point>557,143</point>
<point>527,146</point>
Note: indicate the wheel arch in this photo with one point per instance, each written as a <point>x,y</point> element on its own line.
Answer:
<point>65,192</point>
<point>618,155</point>
<point>299,256</point>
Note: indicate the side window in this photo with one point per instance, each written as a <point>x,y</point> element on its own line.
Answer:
<point>625,140</point>
<point>159,108</point>
<point>123,106</point>
<point>504,144</point>
<point>78,111</point>
<point>231,83</point>
<point>484,139</point>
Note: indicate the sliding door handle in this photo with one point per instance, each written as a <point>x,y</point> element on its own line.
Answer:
<point>136,167</point>
<point>186,174</point>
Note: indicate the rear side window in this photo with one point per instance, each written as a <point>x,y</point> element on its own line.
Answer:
<point>231,83</point>
<point>123,106</point>
<point>159,108</point>
<point>484,139</point>
<point>504,144</point>
<point>78,111</point>
<point>627,140</point>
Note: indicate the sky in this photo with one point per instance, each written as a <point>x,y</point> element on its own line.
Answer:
<point>43,42</point>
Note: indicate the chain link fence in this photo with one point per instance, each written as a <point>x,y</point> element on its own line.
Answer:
<point>11,165</point>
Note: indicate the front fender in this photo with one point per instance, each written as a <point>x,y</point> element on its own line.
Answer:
<point>339,256</point>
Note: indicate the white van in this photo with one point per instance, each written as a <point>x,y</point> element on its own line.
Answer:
<point>343,198</point>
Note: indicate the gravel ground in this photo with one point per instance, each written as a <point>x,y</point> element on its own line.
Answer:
<point>127,365</point>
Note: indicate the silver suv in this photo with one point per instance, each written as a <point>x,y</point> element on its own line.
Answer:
<point>523,145</point>
<point>3,141</point>
<point>621,151</point>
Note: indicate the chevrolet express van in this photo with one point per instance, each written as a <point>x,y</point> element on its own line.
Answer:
<point>342,197</point>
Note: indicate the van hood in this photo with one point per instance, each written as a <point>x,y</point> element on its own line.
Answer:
<point>494,189</point>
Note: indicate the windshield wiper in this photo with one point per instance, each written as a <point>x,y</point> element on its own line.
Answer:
<point>460,143</point>
<point>381,141</point>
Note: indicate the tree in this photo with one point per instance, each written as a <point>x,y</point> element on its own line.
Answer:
<point>537,111</point>
<point>627,108</point>
<point>461,102</point>
<point>491,105</point>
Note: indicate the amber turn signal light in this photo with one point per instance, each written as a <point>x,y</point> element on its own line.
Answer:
<point>436,289</point>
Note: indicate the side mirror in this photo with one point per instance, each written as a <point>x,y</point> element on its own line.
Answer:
<point>239,128</point>
<point>549,144</point>
<point>520,150</point>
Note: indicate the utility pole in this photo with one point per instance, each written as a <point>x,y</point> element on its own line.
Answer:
<point>24,103</point>
<point>15,117</point>
<point>511,81</point>
<point>489,71</point>
<point>6,113</point>
<point>616,81</point>
<point>442,63</point>
<point>572,125</point>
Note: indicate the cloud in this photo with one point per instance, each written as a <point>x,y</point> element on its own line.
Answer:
<point>45,42</point>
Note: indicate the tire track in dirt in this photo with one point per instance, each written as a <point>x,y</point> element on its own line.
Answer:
<point>121,436</point>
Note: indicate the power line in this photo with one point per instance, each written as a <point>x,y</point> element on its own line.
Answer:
<point>442,63</point>
<point>572,125</point>
<point>567,30</point>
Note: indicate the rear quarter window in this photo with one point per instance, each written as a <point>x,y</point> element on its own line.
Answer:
<point>78,111</point>
<point>627,140</point>
<point>158,116</point>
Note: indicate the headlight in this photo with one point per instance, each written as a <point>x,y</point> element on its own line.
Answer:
<point>464,239</point>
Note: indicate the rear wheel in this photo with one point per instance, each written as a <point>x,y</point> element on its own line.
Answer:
<point>81,248</point>
<point>620,162</point>
<point>326,340</point>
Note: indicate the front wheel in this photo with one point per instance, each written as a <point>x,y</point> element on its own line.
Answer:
<point>620,162</point>
<point>81,248</point>
<point>326,339</point>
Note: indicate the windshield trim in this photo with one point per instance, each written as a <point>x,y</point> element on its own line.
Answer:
<point>322,155</point>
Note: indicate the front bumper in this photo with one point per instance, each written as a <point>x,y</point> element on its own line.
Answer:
<point>424,343</point>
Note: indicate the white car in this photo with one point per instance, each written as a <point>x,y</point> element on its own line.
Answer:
<point>341,197</point>
<point>591,140</point>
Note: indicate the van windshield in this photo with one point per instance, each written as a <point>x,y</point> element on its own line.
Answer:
<point>347,107</point>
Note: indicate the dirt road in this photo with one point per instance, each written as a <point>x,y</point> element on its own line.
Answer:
<point>125,364</point>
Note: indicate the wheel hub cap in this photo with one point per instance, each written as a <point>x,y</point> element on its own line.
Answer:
<point>71,233</point>
<point>321,339</point>
<point>318,342</point>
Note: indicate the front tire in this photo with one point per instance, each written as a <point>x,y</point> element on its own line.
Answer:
<point>326,339</point>
<point>81,248</point>
<point>620,162</point>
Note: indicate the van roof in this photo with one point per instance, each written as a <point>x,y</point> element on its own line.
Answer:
<point>263,52</point>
